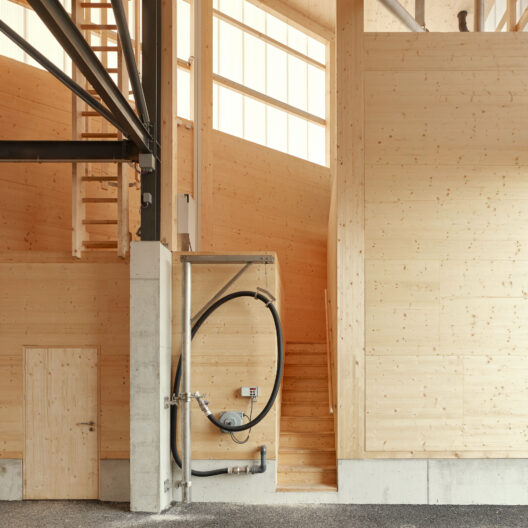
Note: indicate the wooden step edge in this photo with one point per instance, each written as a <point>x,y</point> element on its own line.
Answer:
<point>310,418</point>
<point>307,343</point>
<point>304,450</point>
<point>96,5</point>
<point>307,433</point>
<point>99,222</point>
<point>304,352</point>
<point>96,27</point>
<point>99,178</point>
<point>305,469</point>
<point>306,488</point>
<point>105,48</point>
<point>99,200</point>
<point>100,244</point>
<point>99,135</point>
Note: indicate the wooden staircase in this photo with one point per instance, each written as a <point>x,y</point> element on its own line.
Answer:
<point>100,191</point>
<point>307,457</point>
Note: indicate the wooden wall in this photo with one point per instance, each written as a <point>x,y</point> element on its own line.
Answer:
<point>49,300</point>
<point>235,347</point>
<point>446,245</point>
<point>259,199</point>
<point>35,203</point>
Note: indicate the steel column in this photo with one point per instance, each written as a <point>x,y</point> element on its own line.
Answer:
<point>151,57</point>
<point>185,396</point>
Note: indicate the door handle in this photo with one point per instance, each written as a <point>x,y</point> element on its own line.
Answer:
<point>91,424</point>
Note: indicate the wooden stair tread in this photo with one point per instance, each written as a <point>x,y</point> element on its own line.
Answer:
<point>100,135</point>
<point>94,27</point>
<point>305,469</point>
<point>99,178</point>
<point>105,48</point>
<point>306,487</point>
<point>300,450</point>
<point>100,244</point>
<point>99,200</point>
<point>95,221</point>
<point>98,5</point>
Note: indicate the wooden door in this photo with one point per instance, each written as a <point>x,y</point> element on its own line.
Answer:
<point>61,458</point>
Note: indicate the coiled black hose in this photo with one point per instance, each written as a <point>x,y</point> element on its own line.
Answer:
<point>271,400</point>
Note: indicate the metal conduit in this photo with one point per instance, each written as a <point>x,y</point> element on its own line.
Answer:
<point>402,14</point>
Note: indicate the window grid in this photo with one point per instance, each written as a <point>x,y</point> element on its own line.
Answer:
<point>313,144</point>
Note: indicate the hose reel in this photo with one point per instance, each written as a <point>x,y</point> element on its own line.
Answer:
<point>257,295</point>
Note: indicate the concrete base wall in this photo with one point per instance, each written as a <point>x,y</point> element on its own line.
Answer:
<point>10,479</point>
<point>150,376</point>
<point>114,480</point>
<point>446,481</point>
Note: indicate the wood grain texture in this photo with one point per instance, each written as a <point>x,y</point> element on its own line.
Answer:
<point>49,301</point>
<point>61,458</point>
<point>264,200</point>
<point>446,245</point>
<point>235,347</point>
<point>350,211</point>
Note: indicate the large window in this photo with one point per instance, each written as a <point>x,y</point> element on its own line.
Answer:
<point>27,24</point>
<point>269,81</point>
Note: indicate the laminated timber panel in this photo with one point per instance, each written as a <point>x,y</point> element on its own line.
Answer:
<point>264,200</point>
<point>235,347</point>
<point>446,245</point>
<point>48,300</point>
<point>445,52</point>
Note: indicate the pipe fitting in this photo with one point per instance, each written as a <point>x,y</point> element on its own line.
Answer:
<point>203,404</point>
<point>239,470</point>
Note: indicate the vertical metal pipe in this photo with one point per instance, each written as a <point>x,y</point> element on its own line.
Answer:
<point>479,15</point>
<point>196,43</point>
<point>186,382</point>
<point>402,14</point>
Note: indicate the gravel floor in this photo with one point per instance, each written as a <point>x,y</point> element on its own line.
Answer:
<point>88,514</point>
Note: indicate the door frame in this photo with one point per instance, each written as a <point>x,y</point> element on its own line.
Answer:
<point>25,349</point>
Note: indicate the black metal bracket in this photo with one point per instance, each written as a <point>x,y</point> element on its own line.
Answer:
<point>67,151</point>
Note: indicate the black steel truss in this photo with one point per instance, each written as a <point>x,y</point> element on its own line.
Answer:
<point>56,18</point>
<point>130,60</point>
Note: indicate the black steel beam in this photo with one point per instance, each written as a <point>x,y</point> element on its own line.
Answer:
<point>67,151</point>
<point>130,59</point>
<point>59,74</point>
<point>151,57</point>
<point>56,18</point>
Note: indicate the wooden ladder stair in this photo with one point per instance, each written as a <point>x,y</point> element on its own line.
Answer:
<point>99,190</point>
<point>307,457</point>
